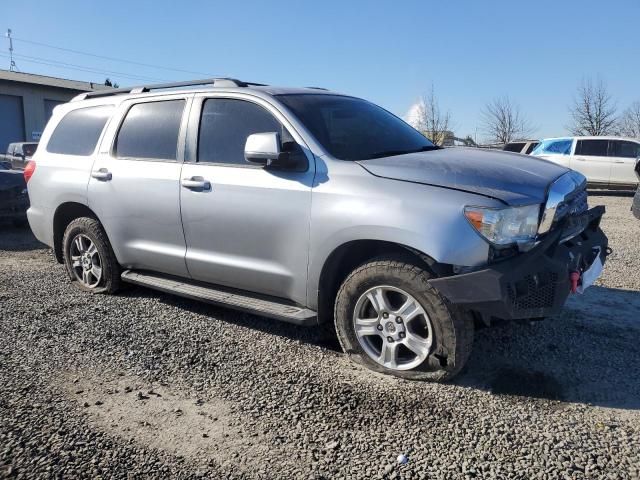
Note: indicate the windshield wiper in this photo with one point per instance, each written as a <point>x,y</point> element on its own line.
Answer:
<point>391,153</point>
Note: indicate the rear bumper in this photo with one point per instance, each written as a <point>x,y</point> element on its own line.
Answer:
<point>14,207</point>
<point>532,284</point>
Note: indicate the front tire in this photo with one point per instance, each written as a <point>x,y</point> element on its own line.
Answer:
<point>88,257</point>
<point>391,320</point>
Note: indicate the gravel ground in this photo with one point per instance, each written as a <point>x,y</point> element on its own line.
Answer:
<point>146,384</point>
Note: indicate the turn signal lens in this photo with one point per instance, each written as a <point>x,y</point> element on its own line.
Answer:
<point>29,168</point>
<point>475,217</point>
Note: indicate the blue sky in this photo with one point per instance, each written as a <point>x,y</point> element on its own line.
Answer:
<point>389,52</point>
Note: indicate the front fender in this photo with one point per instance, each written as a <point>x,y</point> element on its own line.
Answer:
<point>355,205</point>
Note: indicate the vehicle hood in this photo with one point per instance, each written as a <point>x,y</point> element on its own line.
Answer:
<point>10,179</point>
<point>510,177</point>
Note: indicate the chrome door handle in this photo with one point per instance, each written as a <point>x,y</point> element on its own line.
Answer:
<point>196,183</point>
<point>581,159</point>
<point>102,174</point>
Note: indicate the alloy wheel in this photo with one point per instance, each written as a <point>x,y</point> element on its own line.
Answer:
<point>392,328</point>
<point>85,261</point>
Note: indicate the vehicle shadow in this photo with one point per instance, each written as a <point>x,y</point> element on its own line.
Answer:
<point>18,239</point>
<point>587,354</point>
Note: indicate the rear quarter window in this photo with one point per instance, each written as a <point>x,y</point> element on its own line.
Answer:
<point>79,130</point>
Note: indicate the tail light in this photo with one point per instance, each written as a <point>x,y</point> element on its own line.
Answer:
<point>29,168</point>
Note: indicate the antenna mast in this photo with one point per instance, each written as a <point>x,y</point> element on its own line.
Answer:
<point>12,64</point>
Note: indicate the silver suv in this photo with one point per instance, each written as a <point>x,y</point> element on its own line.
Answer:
<point>309,206</point>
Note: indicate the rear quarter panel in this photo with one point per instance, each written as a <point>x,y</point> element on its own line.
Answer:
<point>57,179</point>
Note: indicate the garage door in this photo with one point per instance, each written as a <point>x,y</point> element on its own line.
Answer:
<point>11,121</point>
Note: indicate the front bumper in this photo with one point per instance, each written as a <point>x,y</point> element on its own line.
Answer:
<point>532,284</point>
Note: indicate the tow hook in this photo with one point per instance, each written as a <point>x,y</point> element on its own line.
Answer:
<point>574,278</point>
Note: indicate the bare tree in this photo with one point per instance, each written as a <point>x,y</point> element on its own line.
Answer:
<point>630,121</point>
<point>593,111</point>
<point>503,122</point>
<point>430,120</point>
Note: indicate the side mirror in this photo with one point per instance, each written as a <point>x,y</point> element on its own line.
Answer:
<point>262,148</point>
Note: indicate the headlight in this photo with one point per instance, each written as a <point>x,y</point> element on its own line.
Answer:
<point>505,226</point>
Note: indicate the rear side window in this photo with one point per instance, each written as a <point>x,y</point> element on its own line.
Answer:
<point>621,148</point>
<point>513,147</point>
<point>592,148</point>
<point>150,130</point>
<point>79,130</point>
<point>225,126</point>
<point>554,147</point>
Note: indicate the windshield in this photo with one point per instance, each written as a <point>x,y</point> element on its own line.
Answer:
<point>354,129</point>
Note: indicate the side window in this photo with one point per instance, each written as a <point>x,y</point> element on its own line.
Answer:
<point>150,130</point>
<point>514,147</point>
<point>621,148</point>
<point>592,148</point>
<point>532,146</point>
<point>79,130</point>
<point>225,125</point>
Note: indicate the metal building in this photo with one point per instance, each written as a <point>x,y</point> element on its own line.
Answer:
<point>27,100</point>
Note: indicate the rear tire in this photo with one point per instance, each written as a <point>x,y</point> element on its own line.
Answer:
<point>413,318</point>
<point>88,257</point>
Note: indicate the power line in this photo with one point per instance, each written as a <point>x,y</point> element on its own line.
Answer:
<point>81,68</point>
<point>104,57</point>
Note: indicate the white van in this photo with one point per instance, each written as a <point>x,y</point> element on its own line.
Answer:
<point>607,162</point>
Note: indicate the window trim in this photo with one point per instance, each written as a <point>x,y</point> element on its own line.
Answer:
<point>127,105</point>
<point>100,136</point>
<point>193,130</point>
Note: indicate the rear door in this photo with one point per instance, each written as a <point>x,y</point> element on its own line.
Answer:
<point>134,184</point>
<point>624,154</point>
<point>249,227</point>
<point>592,160</point>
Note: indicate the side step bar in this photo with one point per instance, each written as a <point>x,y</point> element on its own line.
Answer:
<point>225,298</point>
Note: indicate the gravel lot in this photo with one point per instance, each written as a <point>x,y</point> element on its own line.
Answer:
<point>148,384</point>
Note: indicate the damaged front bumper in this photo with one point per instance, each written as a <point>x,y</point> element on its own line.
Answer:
<point>536,283</point>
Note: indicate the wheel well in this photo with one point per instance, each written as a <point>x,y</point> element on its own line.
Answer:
<point>346,258</point>
<point>65,214</point>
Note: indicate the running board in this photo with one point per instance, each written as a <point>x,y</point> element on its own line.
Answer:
<point>224,298</point>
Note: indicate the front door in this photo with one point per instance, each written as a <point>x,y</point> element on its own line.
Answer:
<point>134,186</point>
<point>246,226</point>
<point>592,160</point>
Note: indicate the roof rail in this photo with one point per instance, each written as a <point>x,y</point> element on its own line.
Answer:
<point>216,82</point>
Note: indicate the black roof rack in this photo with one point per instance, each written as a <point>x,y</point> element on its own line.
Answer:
<point>216,82</point>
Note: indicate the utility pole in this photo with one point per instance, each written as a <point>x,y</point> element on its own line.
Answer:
<point>12,64</point>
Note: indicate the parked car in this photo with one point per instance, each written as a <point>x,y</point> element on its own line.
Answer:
<point>524,146</point>
<point>20,153</point>
<point>635,208</point>
<point>14,200</point>
<point>607,162</point>
<point>310,206</point>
